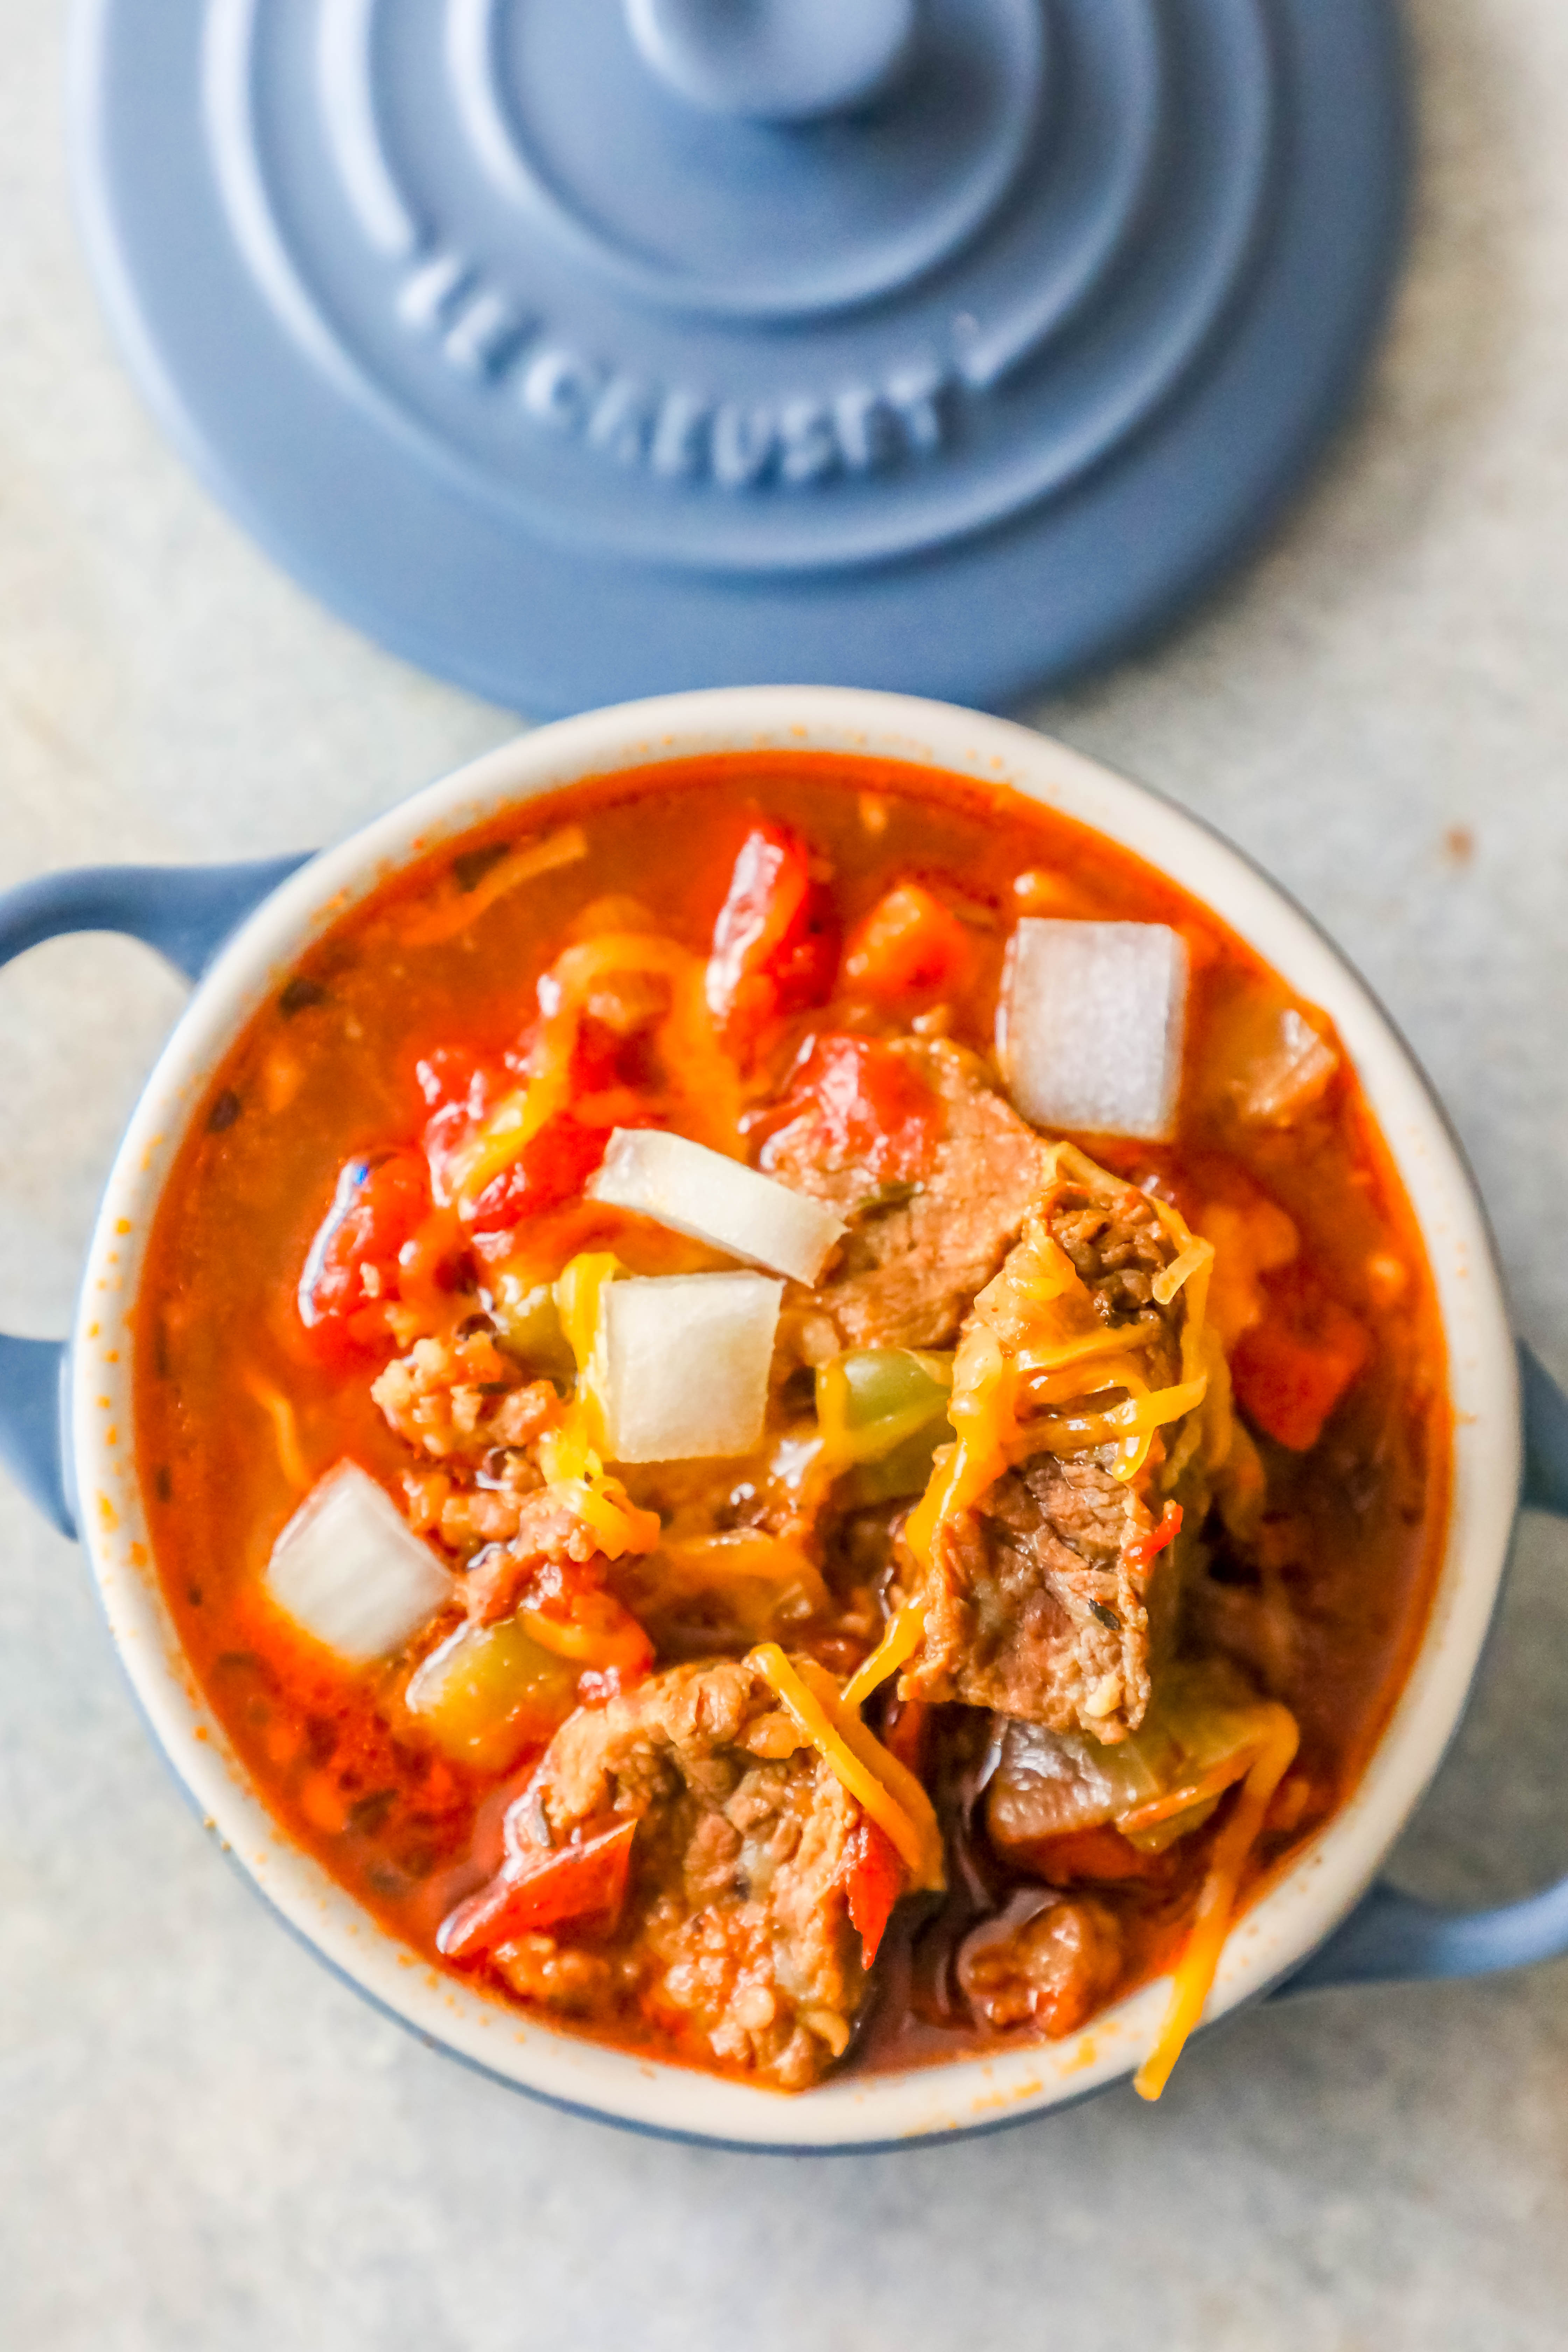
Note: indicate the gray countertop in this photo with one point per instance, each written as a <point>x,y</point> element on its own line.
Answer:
<point>207,2142</point>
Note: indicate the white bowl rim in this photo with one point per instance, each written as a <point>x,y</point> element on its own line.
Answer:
<point>962,2096</point>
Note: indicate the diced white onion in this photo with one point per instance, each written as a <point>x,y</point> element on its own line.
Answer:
<point>1288,1075</point>
<point>702,1194</point>
<point>350,1571</point>
<point>680,1364</point>
<point>1089,1031</point>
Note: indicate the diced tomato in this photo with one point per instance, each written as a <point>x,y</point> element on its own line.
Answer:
<point>352,1265</point>
<point>775,943</point>
<point>908,945</point>
<point>1292,1368</point>
<point>460,1091</point>
<point>868,1108</point>
<point>582,1886</point>
<point>447,1078</point>
<point>1143,1550</point>
<point>551,1167</point>
<point>873,1882</point>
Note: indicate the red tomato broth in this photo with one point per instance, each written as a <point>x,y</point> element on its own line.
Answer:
<point>1353,1531</point>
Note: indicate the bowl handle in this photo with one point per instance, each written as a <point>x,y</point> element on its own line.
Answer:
<point>187,913</point>
<point>1394,1936</point>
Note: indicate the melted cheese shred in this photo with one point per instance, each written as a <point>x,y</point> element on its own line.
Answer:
<point>568,1454</point>
<point>1065,1356</point>
<point>882,1786</point>
<point>285,1429</point>
<point>705,1083</point>
<point>1193,1978</point>
<point>563,847</point>
<point>906,1630</point>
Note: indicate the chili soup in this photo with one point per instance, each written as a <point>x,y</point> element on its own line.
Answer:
<point>793,1414</point>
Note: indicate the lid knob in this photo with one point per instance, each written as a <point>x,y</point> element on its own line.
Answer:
<point>775,60</point>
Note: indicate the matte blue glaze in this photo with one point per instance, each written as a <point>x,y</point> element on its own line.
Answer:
<point>1545,1438</point>
<point>574,389</point>
<point>35,1423</point>
<point>187,913</point>
<point>775,60</point>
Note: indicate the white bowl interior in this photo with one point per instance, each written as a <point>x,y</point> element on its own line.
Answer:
<point>1319,1888</point>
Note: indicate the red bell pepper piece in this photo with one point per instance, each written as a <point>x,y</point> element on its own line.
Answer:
<point>908,945</point>
<point>1292,1368</point>
<point>775,943</point>
<point>873,1882</point>
<point>554,1164</point>
<point>582,1886</point>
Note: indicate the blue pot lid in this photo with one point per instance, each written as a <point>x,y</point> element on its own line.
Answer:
<point>584,349</point>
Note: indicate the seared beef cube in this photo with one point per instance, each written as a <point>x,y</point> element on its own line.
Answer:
<point>735,1932</point>
<point>1034,1605</point>
<point>1035,1595</point>
<point>1117,1248</point>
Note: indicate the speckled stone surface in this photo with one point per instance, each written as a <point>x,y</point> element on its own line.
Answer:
<point>207,2145</point>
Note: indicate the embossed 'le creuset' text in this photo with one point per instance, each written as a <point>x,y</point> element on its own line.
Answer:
<point>672,431</point>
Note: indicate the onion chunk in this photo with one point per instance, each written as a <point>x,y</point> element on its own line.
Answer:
<point>351,1572</point>
<point>712,1198</point>
<point>1090,1027</point>
<point>680,1364</point>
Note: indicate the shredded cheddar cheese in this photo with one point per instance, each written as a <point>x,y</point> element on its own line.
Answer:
<point>285,1429</point>
<point>578,1291</point>
<point>1193,1976</point>
<point>581,1645</point>
<point>1138,1418</point>
<point>906,1629</point>
<point>564,848</point>
<point>702,1076</point>
<point>879,1784</point>
<point>1035,1339</point>
<point>1194,1259</point>
<point>568,1454</point>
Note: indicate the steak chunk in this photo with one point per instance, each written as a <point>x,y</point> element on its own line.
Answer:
<point>1117,1247</point>
<point>735,1936</point>
<point>1034,1606</point>
<point>917,1251</point>
<point>1035,1595</point>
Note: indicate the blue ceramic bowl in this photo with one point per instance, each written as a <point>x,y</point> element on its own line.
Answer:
<point>66,1421</point>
